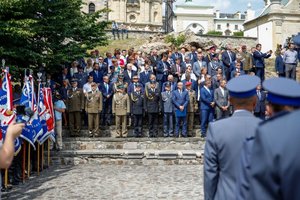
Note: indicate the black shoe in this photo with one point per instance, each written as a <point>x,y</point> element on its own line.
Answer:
<point>203,136</point>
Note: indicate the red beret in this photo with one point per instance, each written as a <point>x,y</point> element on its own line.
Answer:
<point>188,83</point>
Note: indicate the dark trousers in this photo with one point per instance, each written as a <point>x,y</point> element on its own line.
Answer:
<point>260,72</point>
<point>168,124</point>
<point>206,117</point>
<point>227,72</point>
<point>106,115</point>
<point>115,32</point>
<point>260,115</point>
<point>281,74</point>
<point>184,126</point>
<point>153,122</point>
<point>138,125</point>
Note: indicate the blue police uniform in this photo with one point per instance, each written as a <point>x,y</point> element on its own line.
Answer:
<point>224,143</point>
<point>281,91</point>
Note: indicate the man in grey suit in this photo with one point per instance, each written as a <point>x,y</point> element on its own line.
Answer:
<point>221,96</point>
<point>199,64</point>
<point>167,108</point>
<point>225,140</point>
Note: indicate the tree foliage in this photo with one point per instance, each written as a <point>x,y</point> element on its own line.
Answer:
<point>33,32</point>
<point>176,41</point>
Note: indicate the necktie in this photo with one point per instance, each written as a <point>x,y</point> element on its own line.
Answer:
<point>258,94</point>
<point>178,68</point>
<point>229,54</point>
<point>106,85</point>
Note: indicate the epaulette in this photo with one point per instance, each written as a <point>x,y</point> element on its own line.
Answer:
<point>276,116</point>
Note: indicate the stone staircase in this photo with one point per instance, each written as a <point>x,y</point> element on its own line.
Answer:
<point>129,151</point>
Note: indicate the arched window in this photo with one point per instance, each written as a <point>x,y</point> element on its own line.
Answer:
<point>92,8</point>
<point>155,17</point>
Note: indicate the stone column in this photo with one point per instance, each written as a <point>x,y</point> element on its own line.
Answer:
<point>122,11</point>
<point>147,11</point>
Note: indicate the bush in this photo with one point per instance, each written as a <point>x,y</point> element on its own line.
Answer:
<point>240,33</point>
<point>214,33</point>
<point>175,41</point>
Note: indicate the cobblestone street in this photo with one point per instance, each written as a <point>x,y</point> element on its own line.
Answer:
<point>114,182</point>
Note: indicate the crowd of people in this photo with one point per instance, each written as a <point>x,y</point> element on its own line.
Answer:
<point>129,86</point>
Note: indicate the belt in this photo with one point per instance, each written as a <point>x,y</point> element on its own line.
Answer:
<point>290,63</point>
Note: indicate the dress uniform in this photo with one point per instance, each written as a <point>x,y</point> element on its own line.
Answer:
<point>151,106</point>
<point>75,104</point>
<point>137,107</point>
<point>191,108</point>
<point>261,174</point>
<point>121,108</point>
<point>225,139</point>
<point>168,110</point>
<point>120,81</point>
<point>93,106</point>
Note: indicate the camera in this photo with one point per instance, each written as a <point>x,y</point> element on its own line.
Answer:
<point>24,114</point>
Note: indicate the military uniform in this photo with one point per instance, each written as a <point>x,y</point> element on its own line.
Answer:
<point>121,108</point>
<point>151,105</point>
<point>247,61</point>
<point>137,105</point>
<point>93,106</point>
<point>191,109</point>
<point>168,110</point>
<point>75,104</point>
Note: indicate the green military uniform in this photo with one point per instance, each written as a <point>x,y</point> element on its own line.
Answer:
<point>75,104</point>
<point>247,61</point>
<point>93,106</point>
<point>191,109</point>
<point>121,107</point>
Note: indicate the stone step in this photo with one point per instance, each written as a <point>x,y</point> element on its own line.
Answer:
<point>127,156</point>
<point>82,143</point>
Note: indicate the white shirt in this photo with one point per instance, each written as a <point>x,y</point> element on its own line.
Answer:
<point>222,91</point>
<point>87,87</point>
<point>193,77</point>
<point>207,89</point>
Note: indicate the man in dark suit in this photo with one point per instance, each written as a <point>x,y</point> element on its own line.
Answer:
<point>129,73</point>
<point>228,57</point>
<point>259,177</point>
<point>180,100</point>
<point>145,75</point>
<point>151,106</point>
<point>162,70</point>
<point>225,140</point>
<point>107,92</point>
<point>221,98</point>
<point>154,59</point>
<point>97,74</point>
<point>260,108</point>
<point>193,54</point>
<point>103,66</point>
<point>133,85</point>
<point>173,84</point>
<point>279,64</point>
<point>176,55</point>
<point>259,61</point>
<point>177,70</point>
<point>207,106</point>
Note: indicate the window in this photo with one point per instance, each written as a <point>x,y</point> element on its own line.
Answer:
<point>236,27</point>
<point>227,24</point>
<point>219,26</point>
<point>92,8</point>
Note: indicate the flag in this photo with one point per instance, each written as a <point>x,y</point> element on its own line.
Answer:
<point>33,128</point>
<point>45,116</point>
<point>50,120</point>
<point>6,108</point>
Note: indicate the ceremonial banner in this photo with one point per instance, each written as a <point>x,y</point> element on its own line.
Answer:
<point>50,120</point>
<point>6,108</point>
<point>33,128</point>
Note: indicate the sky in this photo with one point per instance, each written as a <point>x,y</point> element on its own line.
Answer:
<point>230,6</point>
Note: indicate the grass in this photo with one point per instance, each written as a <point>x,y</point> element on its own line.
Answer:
<point>121,44</point>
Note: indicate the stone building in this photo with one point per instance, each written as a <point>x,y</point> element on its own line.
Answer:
<point>279,20</point>
<point>137,14</point>
<point>201,17</point>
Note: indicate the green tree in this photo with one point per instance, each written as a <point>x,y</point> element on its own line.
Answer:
<point>47,31</point>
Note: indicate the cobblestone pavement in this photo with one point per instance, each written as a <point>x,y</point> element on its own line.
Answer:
<point>114,182</point>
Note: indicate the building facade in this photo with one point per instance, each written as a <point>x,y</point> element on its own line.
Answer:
<point>279,20</point>
<point>136,14</point>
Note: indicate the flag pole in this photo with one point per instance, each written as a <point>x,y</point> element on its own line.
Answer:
<point>24,160</point>
<point>42,168</point>
<point>28,163</point>
<point>6,179</point>
<point>38,159</point>
<point>48,152</point>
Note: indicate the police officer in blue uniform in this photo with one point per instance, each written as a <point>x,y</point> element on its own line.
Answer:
<point>269,160</point>
<point>225,139</point>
